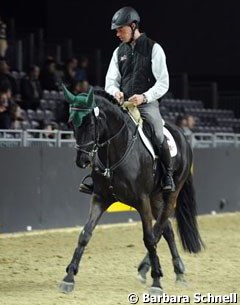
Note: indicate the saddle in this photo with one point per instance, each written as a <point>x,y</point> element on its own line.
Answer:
<point>135,115</point>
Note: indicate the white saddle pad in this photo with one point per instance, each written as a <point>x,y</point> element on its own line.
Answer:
<point>171,142</point>
<point>136,117</point>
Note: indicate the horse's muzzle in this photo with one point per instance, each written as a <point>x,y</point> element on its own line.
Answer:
<point>83,161</point>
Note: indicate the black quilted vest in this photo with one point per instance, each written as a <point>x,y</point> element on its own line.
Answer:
<point>135,66</point>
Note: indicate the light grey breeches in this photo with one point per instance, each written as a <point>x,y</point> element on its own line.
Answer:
<point>151,114</point>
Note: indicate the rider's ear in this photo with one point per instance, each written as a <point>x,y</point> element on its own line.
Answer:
<point>133,25</point>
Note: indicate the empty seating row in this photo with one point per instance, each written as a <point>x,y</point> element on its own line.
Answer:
<point>39,115</point>
<point>33,124</point>
<point>213,129</point>
<point>182,102</point>
<point>50,104</point>
<point>53,95</point>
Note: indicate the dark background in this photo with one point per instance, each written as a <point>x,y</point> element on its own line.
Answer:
<point>199,37</point>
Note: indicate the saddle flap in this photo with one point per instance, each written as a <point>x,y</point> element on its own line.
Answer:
<point>136,117</point>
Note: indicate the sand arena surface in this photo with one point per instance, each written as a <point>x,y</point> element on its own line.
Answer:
<point>32,264</point>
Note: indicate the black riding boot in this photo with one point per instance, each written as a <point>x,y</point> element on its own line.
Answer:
<point>86,188</point>
<point>168,184</point>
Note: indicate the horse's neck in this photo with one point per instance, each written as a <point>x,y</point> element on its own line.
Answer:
<point>118,135</point>
<point>118,132</point>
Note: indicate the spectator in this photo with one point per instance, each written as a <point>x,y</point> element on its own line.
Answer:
<point>16,117</point>
<point>79,86</point>
<point>31,89</point>
<point>7,78</point>
<point>5,108</point>
<point>50,133</point>
<point>49,76</point>
<point>181,121</point>
<point>69,71</point>
<point>3,39</point>
<point>190,123</point>
<point>186,123</point>
<point>82,71</point>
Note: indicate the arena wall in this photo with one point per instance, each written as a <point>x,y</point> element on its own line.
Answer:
<point>39,187</point>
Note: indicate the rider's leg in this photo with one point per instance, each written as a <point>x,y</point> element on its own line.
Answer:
<point>167,182</point>
<point>151,113</point>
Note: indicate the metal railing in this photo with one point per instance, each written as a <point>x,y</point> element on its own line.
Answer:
<point>60,138</point>
<point>212,140</point>
<point>36,137</point>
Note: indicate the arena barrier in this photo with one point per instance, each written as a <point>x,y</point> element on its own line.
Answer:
<point>39,187</point>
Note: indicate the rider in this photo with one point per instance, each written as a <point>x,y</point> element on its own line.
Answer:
<point>138,73</point>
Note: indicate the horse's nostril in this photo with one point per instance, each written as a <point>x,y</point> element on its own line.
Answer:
<point>82,162</point>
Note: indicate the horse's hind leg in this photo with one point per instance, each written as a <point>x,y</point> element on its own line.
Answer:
<point>143,269</point>
<point>97,209</point>
<point>168,234</point>
<point>178,265</point>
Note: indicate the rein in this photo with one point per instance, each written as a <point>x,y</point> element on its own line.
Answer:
<point>107,171</point>
<point>95,143</point>
<point>93,154</point>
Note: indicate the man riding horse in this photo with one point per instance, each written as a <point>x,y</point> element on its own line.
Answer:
<point>138,73</point>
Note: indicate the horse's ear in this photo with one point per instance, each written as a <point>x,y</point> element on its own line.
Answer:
<point>90,101</point>
<point>71,98</point>
<point>68,95</point>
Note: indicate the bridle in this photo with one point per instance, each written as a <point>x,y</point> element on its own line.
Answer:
<point>96,145</point>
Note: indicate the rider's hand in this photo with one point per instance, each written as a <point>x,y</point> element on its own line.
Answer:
<point>119,96</point>
<point>136,99</point>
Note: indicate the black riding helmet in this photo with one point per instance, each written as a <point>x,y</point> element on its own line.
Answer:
<point>124,16</point>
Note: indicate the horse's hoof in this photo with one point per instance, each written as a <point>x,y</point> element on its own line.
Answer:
<point>155,291</point>
<point>142,272</point>
<point>66,287</point>
<point>142,277</point>
<point>180,280</point>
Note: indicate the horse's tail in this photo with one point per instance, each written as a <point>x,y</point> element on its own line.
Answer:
<point>186,213</point>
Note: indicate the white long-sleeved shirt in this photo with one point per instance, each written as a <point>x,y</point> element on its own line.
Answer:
<point>159,70</point>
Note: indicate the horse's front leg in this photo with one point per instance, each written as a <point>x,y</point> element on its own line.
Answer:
<point>96,210</point>
<point>150,244</point>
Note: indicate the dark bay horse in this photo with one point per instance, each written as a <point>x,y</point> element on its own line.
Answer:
<point>123,170</point>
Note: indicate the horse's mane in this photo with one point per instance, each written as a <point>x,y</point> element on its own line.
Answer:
<point>101,92</point>
<point>110,99</point>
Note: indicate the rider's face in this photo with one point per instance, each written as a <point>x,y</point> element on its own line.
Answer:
<point>124,33</point>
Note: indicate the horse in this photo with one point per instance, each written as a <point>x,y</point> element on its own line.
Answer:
<point>123,169</point>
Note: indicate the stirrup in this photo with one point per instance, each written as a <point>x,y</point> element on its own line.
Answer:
<point>170,187</point>
<point>86,188</point>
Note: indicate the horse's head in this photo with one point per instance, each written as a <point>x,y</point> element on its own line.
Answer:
<point>83,115</point>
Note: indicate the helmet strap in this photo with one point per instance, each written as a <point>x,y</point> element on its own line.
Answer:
<point>133,32</point>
